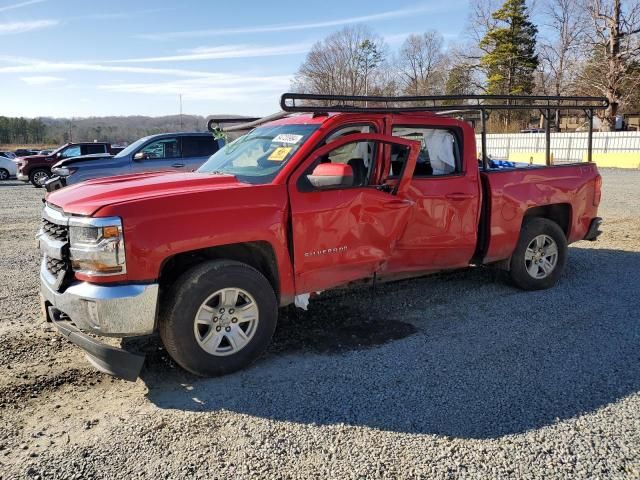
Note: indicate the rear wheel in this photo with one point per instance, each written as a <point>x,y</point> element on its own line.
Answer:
<point>540,255</point>
<point>4,174</point>
<point>39,176</point>
<point>219,318</point>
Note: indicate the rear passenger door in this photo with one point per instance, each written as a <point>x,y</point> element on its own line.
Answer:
<point>197,149</point>
<point>442,231</point>
<point>162,154</point>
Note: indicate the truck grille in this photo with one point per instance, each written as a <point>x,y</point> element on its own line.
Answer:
<point>56,266</point>
<point>54,243</point>
<point>55,231</point>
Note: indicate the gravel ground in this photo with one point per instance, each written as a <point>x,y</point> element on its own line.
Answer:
<point>458,375</point>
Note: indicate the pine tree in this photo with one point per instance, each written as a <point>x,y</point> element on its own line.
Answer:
<point>511,58</point>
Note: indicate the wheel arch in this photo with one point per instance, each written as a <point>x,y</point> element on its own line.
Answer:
<point>258,254</point>
<point>560,213</point>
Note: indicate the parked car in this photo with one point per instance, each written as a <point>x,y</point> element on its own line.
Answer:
<point>299,205</point>
<point>167,151</point>
<point>9,155</point>
<point>45,152</point>
<point>37,168</point>
<point>8,168</point>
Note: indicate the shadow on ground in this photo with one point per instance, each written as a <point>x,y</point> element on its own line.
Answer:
<point>462,355</point>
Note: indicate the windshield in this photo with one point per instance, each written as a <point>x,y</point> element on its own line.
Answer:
<point>260,154</point>
<point>132,147</point>
<point>59,149</point>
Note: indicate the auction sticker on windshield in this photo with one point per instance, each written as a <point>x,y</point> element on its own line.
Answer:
<point>287,138</point>
<point>279,154</point>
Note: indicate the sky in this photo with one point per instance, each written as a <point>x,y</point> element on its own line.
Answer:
<point>78,58</point>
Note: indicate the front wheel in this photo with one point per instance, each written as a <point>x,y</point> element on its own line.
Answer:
<point>540,255</point>
<point>219,317</point>
<point>4,174</point>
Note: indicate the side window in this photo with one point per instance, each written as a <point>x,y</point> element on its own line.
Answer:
<point>165,148</point>
<point>71,152</point>
<point>201,146</point>
<point>357,155</point>
<point>439,152</point>
<point>97,148</point>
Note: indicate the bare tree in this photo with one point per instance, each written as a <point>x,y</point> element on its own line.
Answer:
<point>562,50</point>
<point>615,50</point>
<point>346,62</point>
<point>421,64</point>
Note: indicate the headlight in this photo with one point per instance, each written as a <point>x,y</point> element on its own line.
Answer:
<point>97,246</point>
<point>63,171</point>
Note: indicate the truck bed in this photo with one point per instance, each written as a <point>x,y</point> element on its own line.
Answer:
<point>565,192</point>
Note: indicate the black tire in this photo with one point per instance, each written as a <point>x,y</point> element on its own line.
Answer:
<point>531,229</point>
<point>183,301</point>
<point>33,174</point>
<point>4,174</point>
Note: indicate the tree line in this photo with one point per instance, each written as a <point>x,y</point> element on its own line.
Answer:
<point>589,47</point>
<point>117,130</point>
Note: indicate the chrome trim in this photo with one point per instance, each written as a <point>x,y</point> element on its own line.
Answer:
<point>75,221</point>
<point>107,310</point>
<point>60,218</point>
<point>55,216</point>
<point>50,247</point>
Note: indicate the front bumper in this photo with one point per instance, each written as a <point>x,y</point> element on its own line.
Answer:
<point>105,310</point>
<point>55,183</point>
<point>22,177</point>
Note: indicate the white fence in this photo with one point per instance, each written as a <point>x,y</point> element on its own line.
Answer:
<point>565,147</point>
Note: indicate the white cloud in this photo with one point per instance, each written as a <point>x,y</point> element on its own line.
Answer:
<point>21,27</point>
<point>21,4</point>
<point>129,14</point>
<point>41,80</point>
<point>404,12</point>
<point>216,87</point>
<point>39,67</point>
<point>224,51</point>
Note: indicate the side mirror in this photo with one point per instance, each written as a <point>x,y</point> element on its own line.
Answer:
<point>327,175</point>
<point>140,156</point>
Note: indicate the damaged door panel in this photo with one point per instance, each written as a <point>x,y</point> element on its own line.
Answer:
<point>347,231</point>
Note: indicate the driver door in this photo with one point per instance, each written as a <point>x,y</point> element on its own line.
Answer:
<point>347,228</point>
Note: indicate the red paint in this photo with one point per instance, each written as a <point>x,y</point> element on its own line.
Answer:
<point>340,235</point>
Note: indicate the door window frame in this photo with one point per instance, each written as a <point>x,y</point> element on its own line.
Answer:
<point>321,143</point>
<point>455,131</point>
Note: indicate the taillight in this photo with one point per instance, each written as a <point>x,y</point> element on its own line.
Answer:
<point>597,194</point>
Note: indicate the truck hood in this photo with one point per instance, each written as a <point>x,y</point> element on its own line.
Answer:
<point>82,158</point>
<point>88,197</point>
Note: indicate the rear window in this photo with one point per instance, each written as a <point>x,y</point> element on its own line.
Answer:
<point>202,146</point>
<point>89,149</point>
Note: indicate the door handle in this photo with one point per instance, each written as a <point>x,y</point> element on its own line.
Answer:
<point>178,165</point>
<point>459,196</point>
<point>399,203</point>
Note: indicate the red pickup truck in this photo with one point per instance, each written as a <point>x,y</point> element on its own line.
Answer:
<point>306,203</point>
<point>37,168</point>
